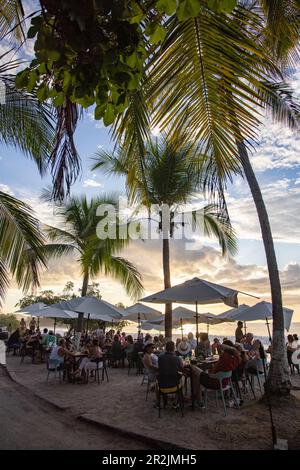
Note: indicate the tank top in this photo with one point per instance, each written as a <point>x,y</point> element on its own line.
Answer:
<point>54,355</point>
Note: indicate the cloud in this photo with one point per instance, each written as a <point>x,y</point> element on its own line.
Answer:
<point>282,201</point>
<point>91,183</point>
<point>6,189</point>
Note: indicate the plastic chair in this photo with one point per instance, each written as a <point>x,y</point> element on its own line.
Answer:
<point>94,366</point>
<point>53,365</point>
<point>165,391</point>
<point>222,388</point>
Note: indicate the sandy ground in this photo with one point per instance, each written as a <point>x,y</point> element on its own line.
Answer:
<point>29,423</point>
<point>121,403</point>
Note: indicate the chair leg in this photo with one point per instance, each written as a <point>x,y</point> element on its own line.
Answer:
<point>147,391</point>
<point>258,379</point>
<point>224,403</point>
<point>234,394</point>
<point>251,386</point>
<point>158,403</point>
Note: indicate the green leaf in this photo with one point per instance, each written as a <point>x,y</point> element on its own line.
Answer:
<point>109,115</point>
<point>59,99</point>
<point>188,9</point>
<point>53,55</point>
<point>99,111</point>
<point>222,6</point>
<point>167,6</point>
<point>32,32</point>
<point>22,79</point>
<point>32,79</point>
<point>42,92</point>
<point>158,35</point>
<point>132,60</point>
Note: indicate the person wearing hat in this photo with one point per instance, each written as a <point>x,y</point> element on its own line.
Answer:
<point>184,347</point>
<point>239,335</point>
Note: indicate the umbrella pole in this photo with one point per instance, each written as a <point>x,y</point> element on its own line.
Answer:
<point>181,327</point>
<point>38,325</point>
<point>268,326</point>
<point>87,325</point>
<point>139,324</point>
<point>245,327</point>
<point>207,328</point>
<point>197,329</point>
<point>54,325</point>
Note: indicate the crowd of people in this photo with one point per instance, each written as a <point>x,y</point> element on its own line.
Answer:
<point>245,354</point>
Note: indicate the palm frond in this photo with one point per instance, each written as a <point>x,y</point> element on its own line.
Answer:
<point>21,241</point>
<point>126,273</point>
<point>11,16</point>
<point>64,159</point>
<point>26,123</point>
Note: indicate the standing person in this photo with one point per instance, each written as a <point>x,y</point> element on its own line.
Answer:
<point>9,329</point>
<point>23,324</point>
<point>32,324</point>
<point>296,341</point>
<point>239,335</point>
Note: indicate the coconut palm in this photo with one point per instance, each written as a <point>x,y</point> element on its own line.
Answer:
<point>21,244</point>
<point>95,255</point>
<point>169,178</point>
<point>209,82</point>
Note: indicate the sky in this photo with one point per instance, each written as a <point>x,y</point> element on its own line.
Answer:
<point>276,162</point>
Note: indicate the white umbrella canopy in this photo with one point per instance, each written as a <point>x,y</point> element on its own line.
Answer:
<point>32,309</point>
<point>96,308</point>
<point>52,312</point>
<point>262,311</point>
<point>195,291</point>
<point>139,312</point>
<point>146,325</point>
<point>184,316</point>
<point>233,311</point>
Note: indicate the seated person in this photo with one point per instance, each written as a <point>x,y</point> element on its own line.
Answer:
<point>192,341</point>
<point>60,354</point>
<point>129,345</point>
<point>256,357</point>
<point>48,339</point>
<point>116,350</point>
<point>247,342</point>
<point>14,341</point>
<point>229,360</point>
<point>169,367</point>
<point>203,348</point>
<point>150,362</point>
<point>94,353</point>
<point>184,347</point>
<point>214,346</point>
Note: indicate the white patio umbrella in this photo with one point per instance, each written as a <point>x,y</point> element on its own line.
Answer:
<point>32,309</point>
<point>52,312</point>
<point>233,311</point>
<point>196,291</point>
<point>183,316</point>
<point>263,311</point>
<point>91,308</point>
<point>146,325</point>
<point>139,312</point>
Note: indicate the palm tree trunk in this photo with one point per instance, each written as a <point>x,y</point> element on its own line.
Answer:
<point>85,284</point>
<point>167,284</point>
<point>278,381</point>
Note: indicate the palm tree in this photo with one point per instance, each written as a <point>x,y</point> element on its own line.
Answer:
<point>207,83</point>
<point>169,179</point>
<point>21,244</point>
<point>94,254</point>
